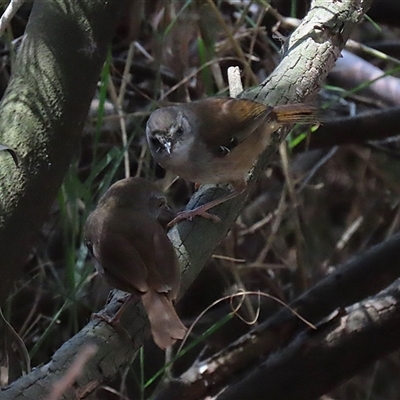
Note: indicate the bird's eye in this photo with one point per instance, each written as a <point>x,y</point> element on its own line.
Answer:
<point>89,246</point>
<point>179,131</point>
<point>155,143</point>
<point>224,150</point>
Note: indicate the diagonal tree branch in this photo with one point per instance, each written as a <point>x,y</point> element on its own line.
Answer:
<point>309,54</point>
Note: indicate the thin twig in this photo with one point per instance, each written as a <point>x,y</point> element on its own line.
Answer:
<point>118,100</point>
<point>9,13</point>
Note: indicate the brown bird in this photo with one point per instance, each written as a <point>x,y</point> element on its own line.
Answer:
<point>217,140</point>
<point>132,252</point>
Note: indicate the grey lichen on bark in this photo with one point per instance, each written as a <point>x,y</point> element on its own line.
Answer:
<point>42,115</point>
<point>310,52</point>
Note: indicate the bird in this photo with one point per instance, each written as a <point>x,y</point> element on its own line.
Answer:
<point>126,238</point>
<point>217,140</point>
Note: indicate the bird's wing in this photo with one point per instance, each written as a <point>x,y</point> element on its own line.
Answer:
<point>164,273</point>
<point>122,265</point>
<point>234,121</point>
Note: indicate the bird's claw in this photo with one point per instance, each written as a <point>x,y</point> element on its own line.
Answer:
<point>189,215</point>
<point>112,321</point>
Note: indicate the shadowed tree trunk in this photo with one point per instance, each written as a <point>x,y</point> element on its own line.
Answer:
<point>42,115</point>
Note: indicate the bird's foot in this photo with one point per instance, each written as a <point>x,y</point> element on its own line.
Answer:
<point>115,321</point>
<point>201,211</point>
<point>112,321</point>
<point>190,214</point>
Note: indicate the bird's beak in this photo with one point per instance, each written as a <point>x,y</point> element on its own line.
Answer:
<point>168,146</point>
<point>166,143</point>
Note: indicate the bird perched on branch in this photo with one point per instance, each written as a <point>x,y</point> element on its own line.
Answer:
<point>217,140</point>
<point>131,251</point>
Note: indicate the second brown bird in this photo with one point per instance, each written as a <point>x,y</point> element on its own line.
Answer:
<point>132,252</point>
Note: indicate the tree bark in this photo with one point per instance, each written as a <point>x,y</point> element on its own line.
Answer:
<point>361,128</point>
<point>318,361</point>
<point>42,115</point>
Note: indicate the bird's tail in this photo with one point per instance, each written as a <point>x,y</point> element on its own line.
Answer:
<point>166,327</point>
<point>296,113</point>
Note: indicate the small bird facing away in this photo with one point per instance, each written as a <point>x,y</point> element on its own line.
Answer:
<point>217,140</point>
<point>131,251</point>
